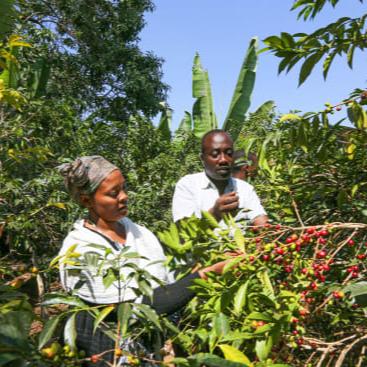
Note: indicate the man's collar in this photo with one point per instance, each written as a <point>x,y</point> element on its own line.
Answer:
<point>206,183</point>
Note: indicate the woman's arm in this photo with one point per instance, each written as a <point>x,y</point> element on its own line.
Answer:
<point>170,298</point>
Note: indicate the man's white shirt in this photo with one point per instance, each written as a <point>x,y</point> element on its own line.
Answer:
<point>195,193</point>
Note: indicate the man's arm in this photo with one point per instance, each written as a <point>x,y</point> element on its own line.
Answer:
<point>251,201</point>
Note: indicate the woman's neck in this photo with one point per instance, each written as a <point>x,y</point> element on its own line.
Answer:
<point>114,230</point>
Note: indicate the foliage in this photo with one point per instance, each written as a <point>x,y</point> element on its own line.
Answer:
<point>290,292</point>
<point>92,49</point>
<point>342,37</point>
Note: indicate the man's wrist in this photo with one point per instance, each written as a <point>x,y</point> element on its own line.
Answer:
<point>215,213</point>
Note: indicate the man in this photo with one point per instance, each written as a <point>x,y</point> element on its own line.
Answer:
<point>215,190</point>
<point>243,168</point>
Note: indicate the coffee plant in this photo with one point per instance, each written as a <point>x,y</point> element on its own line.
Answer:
<point>291,295</point>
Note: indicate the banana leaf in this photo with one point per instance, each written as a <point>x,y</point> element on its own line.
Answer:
<point>203,113</point>
<point>241,99</point>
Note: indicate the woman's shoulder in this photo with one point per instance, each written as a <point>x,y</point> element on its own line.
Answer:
<point>80,236</point>
<point>134,228</point>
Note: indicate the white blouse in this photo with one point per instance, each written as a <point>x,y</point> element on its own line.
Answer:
<point>139,239</point>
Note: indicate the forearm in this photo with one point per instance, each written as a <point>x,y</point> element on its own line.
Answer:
<point>170,298</point>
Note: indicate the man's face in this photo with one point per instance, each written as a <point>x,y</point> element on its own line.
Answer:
<point>218,156</point>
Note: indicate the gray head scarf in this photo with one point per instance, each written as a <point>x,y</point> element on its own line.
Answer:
<point>84,175</point>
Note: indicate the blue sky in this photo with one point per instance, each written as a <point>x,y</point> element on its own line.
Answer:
<point>220,32</point>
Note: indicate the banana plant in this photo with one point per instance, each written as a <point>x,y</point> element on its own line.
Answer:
<point>203,117</point>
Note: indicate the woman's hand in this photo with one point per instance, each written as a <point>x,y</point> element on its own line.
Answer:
<point>218,267</point>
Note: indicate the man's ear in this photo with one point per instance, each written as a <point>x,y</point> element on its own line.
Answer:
<point>201,156</point>
<point>85,200</point>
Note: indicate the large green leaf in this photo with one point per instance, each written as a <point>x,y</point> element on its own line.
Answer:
<point>241,99</point>
<point>48,330</point>
<point>203,112</point>
<point>56,298</point>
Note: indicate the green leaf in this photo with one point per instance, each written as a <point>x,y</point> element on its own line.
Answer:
<point>70,331</point>
<point>48,330</point>
<point>239,301</point>
<point>327,63</point>
<point>356,289</point>
<point>350,55</point>
<point>180,362</point>
<point>259,316</point>
<point>287,40</point>
<point>150,314</point>
<point>239,239</point>
<point>233,354</point>
<point>231,264</point>
<point>273,41</point>
<point>209,219</point>
<point>357,115</point>
<point>54,299</point>
<point>124,313</point>
<point>308,65</point>
<point>221,325</point>
<point>236,335</point>
<point>211,360</point>
<point>109,278</point>
<point>266,283</point>
<point>241,98</point>
<point>263,348</point>
<point>101,316</point>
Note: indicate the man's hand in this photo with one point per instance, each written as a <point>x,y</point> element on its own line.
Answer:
<point>225,204</point>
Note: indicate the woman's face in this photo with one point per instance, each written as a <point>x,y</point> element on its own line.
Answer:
<point>109,202</point>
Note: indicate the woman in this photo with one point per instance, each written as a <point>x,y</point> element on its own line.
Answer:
<point>99,186</point>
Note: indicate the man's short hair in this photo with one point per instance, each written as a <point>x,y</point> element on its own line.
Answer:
<point>241,159</point>
<point>210,133</point>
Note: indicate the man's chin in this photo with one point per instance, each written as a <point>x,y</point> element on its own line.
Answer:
<point>219,176</point>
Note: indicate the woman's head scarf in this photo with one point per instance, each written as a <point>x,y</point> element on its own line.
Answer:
<point>85,174</point>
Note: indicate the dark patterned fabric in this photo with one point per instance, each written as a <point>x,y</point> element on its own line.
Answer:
<point>166,300</point>
<point>92,343</point>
